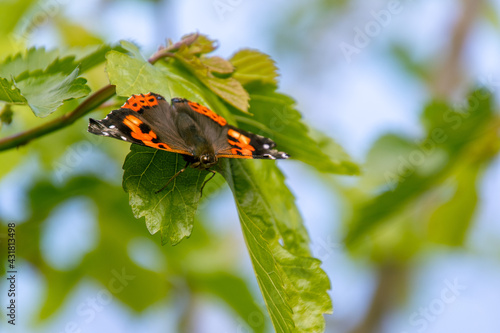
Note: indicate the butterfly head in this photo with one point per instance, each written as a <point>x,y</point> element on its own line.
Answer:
<point>207,160</point>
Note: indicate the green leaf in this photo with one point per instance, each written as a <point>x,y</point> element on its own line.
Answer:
<point>39,61</point>
<point>455,137</point>
<point>92,56</point>
<point>229,89</point>
<point>171,211</point>
<point>132,49</point>
<point>254,66</point>
<point>459,125</point>
<point>42,79</point>
<point>10,93</point>
<point>275,116</point>
<point>306,285</point>
<point>218,65</point>
<point>45,93</point>
<point>33,60</point>
<point>450,222</point>
<point>293,284</point>
<point>190,52</point>
<point>133,76</point>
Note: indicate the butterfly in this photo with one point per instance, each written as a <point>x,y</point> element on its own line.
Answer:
<point>183,127</point>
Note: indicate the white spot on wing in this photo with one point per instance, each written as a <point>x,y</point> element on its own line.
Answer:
<point>123,138</point>
<point>112,126</point>
<point>266,146</point>
<point>105,133</point>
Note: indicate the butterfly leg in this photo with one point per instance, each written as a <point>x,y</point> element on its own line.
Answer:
<point>173,177</point>
<point>206,181</point>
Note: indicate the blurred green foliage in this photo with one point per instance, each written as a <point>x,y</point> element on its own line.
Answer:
<point>412,194</point>
<point>426,189</point>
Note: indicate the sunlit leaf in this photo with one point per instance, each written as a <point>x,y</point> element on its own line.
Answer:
<point>252,66</point>
<point>293,285</point>
<point>134,76</point>
<point>45,93</point>
<point>44,79</point>
<point>229,89</point>
<point>10,93</point>
<point>218,65</point>
<point>171,211</point>
<point>33,60</point>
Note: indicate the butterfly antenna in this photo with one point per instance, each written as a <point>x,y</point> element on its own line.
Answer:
<point>173,177</point>
<point>206,181</point>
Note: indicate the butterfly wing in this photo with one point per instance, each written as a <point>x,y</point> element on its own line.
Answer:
<point>242,144</point>
<point>145,119</point>
<point>228,141</point>
<point>183,127</point>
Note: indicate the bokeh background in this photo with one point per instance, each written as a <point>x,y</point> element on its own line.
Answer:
<point>362,72</point>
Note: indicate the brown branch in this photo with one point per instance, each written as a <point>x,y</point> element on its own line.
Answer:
<point>450,74</point>
<point>391,283</point>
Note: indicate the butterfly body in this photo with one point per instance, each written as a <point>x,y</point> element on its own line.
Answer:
<point>183,127</point>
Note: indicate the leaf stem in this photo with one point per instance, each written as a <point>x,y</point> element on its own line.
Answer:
<point>168,51</point>
<point>160,55</point>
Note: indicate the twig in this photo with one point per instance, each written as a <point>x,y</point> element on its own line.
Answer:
<point>160,54</point>
<point>164,52</point>
<point>449,76</point>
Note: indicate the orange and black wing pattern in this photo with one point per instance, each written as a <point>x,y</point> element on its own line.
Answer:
<point>228,141</point>
<point>243,144</point>
<point>183,127</point>
<point>145,119</point>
